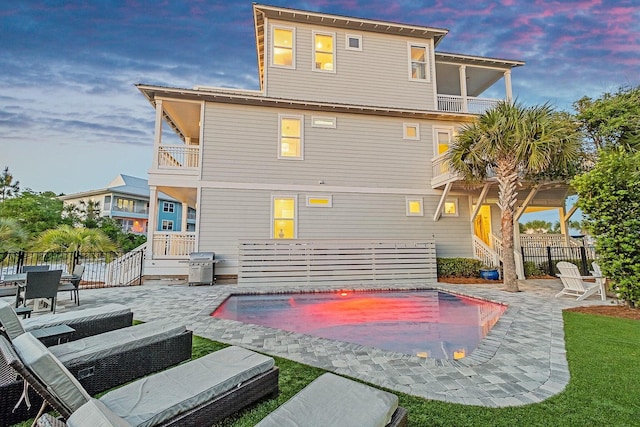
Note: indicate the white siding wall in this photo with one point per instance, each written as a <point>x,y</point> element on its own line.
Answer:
<point>378,75</point>
<point>231,215</point>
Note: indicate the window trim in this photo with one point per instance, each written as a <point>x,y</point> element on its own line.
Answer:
<point>354,36</point>
<point>437,129</point>
<point>409,200</point>
<point>290,116</point>
<point>406,126</point>
<point>427,62</point>
<point>309,197</point>
<point>295,214</point>
<point>333,121</point>
<point>453,200</point>
<point>314,33</point>
<point>168,207</point>
<point>293,46</point>
<point>169,222</point>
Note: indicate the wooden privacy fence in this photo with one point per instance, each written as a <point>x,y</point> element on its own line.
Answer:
<point>339,262</point>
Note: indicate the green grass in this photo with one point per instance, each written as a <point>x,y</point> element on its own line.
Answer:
<point>603,355</point>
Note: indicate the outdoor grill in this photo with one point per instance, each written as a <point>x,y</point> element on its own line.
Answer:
<point>202,268</point>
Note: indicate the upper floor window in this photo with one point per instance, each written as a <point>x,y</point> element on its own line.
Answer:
<point>290,142</point>
<point>414,206</point>
<point>167,225</point>
<point>323,122</point>
<point>411,131</point>
<point>283,47</point>
<point>324,56</point>
<point>353,42</point>
<point>168,207</point>
<point>442,139</point>
<point>418,62</point>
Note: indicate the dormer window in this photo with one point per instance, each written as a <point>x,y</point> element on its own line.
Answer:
<point>283,47</point>
<point>324,57</point>
<point>418,62</point>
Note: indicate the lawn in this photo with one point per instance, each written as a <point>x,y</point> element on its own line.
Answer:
<point>603,354</point>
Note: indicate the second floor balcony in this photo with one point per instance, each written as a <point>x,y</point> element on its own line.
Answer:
<point>469,104</point>
<point>179,157</point>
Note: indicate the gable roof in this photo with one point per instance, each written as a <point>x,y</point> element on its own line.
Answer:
<point>121,184</point>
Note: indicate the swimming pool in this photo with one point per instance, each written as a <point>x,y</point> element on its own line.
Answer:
<point>426,323</point>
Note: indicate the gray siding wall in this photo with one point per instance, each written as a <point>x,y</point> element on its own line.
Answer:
<point>231,215</point>
<point>378,75</point>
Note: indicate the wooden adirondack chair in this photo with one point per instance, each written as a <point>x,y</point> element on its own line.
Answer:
<point>575,285</point>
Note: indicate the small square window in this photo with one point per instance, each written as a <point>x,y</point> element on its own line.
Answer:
<point>319,201</point>
<point>168,207</point>
<point>450,207</point>
<point>414,206</point>
<point>167,225</point>
<point>323,122</point>
<point>353,42</point>
<point>411,131</point>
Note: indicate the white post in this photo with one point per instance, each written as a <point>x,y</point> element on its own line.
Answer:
<point>185,211</point>
<point>153,219</point>
<point>507,84</point>
<point>462,69</point>
<point>158,135</point>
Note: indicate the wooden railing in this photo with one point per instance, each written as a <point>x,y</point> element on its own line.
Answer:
<point>127,269</point>
<point>339,262</point>
<point>178,156</point>
<point>543,240</point>
<point>173,244</point>
<point>496,242</point>
<point>456,104</point>
<point>484,253</point>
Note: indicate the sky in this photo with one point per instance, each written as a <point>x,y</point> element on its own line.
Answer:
<point>71,118</point>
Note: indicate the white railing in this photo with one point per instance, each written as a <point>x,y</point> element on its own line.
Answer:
<point>484,253</point>
<point>543,240</point>
<point>496,242</point>
<point>456,104</point>
<point>173,245</point>
<point>127,269</point>
<point>179,156</point>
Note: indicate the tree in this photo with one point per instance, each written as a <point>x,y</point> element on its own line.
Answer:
<point>66,238</point>
<point>536,226</point>
<point>12,237</point>
<point>515,143</point>
<point>609,196</point>
<point>35,212</point>
<point>613,120</point>
<point>8,188</point>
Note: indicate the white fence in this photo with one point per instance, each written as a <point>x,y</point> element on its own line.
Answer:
<point>340,262</point>
<point>174,244</point>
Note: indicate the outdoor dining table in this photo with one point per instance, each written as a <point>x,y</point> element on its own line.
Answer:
<point>19,280</point>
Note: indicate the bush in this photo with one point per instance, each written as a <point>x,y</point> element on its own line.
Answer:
<point>458,267</point>
<point>533,269</point>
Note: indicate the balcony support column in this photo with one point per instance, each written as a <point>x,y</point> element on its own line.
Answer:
<point>462,69</point>
<point>507,84</point>
<point>185,213</point>
<point>158,134</point>
<point>152,222</point>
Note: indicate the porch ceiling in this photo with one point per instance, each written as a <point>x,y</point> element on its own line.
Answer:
<point>551,195</point>
<point>182,194</point>
<point>184,117</point>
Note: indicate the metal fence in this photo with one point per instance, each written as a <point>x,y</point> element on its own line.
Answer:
<point>101,269</point>
<point>544,259</point>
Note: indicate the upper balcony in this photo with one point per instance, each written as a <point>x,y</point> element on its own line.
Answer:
<point>469,104</point>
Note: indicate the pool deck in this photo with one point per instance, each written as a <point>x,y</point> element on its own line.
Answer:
<point>521,361</point>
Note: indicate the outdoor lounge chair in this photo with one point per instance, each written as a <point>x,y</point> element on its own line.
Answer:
<point>573,283</point>
<point>103,361</point>
<point>331,400</point>
<point>197,393</point>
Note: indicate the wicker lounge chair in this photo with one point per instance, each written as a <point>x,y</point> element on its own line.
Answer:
<point>331,400</point>
<point>103,361</point>
<point>200,392</point>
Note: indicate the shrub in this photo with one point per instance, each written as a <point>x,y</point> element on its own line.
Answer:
<point>458,267</point>
<point>533,269</point>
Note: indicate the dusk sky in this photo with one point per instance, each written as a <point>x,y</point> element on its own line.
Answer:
<point>71,119</point>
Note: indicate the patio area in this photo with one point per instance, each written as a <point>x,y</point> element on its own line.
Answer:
<point>521,361</point>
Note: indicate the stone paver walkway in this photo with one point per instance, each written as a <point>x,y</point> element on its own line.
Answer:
<point>521,361</point>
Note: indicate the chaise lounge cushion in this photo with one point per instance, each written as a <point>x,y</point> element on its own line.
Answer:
<point>331,400</point>
<point>85,315</point>
<point>45,366</point>
<point>98,347</point>
<point>9,320</point>
<point>146,403</point>
<point>95,414</point>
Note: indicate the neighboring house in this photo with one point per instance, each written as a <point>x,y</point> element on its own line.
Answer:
<point>344,140</point>
<point>126,199</point>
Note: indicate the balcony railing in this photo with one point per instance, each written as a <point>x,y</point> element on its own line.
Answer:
<point>456,104</point>
<point>173,245</point>
<point>178,156</point>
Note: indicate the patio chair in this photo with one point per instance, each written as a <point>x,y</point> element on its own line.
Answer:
<point>331,400</point>
<point>28,268</point>
<point>42,284</point>
<point>573,283</point>
<point>199,392</point>
<point>73,285</point>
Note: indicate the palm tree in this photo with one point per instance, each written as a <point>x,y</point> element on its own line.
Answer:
<point>515,143</point>
<point>69,239</point>
<point>12,236</point>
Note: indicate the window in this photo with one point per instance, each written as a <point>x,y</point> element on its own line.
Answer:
<point>167,224</point>
<point>168,207</point>
<point>125,205</point>
<point>414,206</point>
<point>353,42</point>
<point>290,129</point>
<point>284,217</point>
<point>442,139</point>
<point>411,131</point>
<point>324,52</point>
<point>283,47</point>
<point>107,203</point>
<point>418,69</point>
<point>319,201</point>
<point>450,207</point>
<point>323,122</point>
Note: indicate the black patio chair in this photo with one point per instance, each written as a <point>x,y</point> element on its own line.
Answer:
<point>42,284</point>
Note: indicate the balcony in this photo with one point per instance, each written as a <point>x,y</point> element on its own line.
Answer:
<point>440,173</point>
<point>173,244</point>
<point>184,158</point>
<point>457,104</point>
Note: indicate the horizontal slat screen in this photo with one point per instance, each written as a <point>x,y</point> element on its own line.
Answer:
<point>339,262</point>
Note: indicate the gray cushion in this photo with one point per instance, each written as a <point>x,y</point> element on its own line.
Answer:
<point>84,315</point>
<point>160,397</point>
<point>332,400</point>
<point>10,321</point>
<point>45,366</point>
<point>117,341</point>
<point>95,414</point>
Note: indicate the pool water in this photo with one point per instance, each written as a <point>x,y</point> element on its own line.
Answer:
<point>426,323</point>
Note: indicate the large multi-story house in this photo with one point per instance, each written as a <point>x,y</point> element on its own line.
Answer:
<point>344,139</point>
<point>126,200</point>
